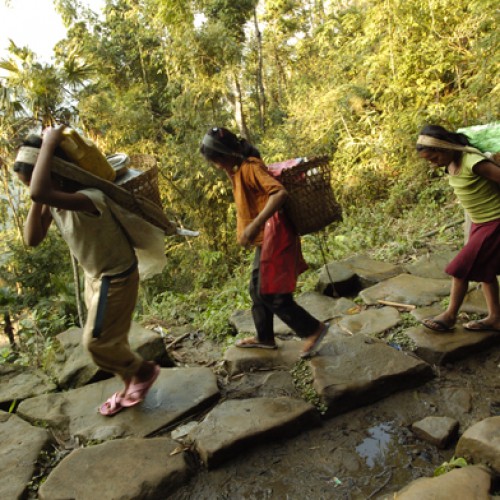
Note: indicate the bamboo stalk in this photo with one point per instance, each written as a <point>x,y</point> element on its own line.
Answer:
<point>408,307</point>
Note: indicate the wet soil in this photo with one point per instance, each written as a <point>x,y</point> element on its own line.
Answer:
<point>367,453</point>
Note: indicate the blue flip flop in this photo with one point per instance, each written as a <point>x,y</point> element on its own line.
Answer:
<point>312,350</point>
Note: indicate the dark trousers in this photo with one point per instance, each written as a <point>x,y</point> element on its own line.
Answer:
<point>265,306</point>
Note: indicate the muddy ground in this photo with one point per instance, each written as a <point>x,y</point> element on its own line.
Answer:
<point>367,453</point>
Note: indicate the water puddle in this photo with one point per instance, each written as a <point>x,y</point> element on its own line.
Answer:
<point>374,447</point>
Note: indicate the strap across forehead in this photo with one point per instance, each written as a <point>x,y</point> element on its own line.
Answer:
<point>432,142</point>
<point>27,154</point>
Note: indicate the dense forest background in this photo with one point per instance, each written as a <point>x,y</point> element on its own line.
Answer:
<point>353,79</point>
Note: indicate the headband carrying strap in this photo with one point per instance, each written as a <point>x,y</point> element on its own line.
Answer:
<point>432,142</point>
<point>212,143</point>
<point>140,205</point>
<point>27,154</point>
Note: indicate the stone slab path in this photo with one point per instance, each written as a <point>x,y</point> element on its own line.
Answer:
<point>354,371</point>
<point>17,383</point>
<point>22,444</point>
<point>124,468</point>
<point>251,396</point>
<point>234,425</point>
<point>178,393</point>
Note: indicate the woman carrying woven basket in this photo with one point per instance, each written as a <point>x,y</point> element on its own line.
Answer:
<point>260,223</point>
<point>105,253</point>
<point>475,179</point>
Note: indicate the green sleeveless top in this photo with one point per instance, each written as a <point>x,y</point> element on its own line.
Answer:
<point>480,197</point>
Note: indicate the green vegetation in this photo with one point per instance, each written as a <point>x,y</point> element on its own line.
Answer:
<point>352,79</point>
<point>452,464</point>
<point>303,380</point>
<point>397,337</point>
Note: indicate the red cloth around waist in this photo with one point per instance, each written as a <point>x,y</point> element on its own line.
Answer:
<point>281,259</point>
<point>479,259</point>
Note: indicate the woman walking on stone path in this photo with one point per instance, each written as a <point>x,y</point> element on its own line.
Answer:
<point>475,180</point>
<point>105,253</point>
<point>261,223</point>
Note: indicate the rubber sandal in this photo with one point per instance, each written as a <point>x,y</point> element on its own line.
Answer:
<point>139,390</point>
<point>480,327</point>
<point>312,350</point>
<point>252,344</point>
<point>111,406</point>
<point>442,326</point>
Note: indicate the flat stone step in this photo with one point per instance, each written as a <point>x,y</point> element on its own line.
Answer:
<point>407,289</point>
<point>371,271</point>
<point>19,382</point>
<point>177,393</point>
<point>431,265</point>
<point>127,469</point>
<point>371,321</point>
<point>481,443</point>
<point>436,430</point>
<point>350,372</point>
<point>337,279</point>
<point>236,425</point>
<point>439,348</point>
<point>22,444</point>
<point>238,360</point>
<point>465,483</point>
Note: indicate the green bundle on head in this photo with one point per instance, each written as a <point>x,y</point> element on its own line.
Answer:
<point>484,137</point>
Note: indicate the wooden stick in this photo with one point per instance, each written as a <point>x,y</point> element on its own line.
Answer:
<point>178,339</point>
<point>408,307</point>
<point>446,226</point>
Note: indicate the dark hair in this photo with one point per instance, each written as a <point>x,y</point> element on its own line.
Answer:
<point>442,134</point>
<point>35,141</point>
<point>229,145</point>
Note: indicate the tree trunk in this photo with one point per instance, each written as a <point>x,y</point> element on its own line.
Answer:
<point>17,220</point>
<point>238,110</point>
<point>9,330</point>
<point>261,96</point>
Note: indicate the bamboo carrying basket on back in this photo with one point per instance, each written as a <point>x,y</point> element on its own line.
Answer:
<point>139,194</point>
<point>311,204</point>
<point>146,183</point>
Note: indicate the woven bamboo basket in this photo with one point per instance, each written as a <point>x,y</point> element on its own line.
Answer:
<point>139,194</point>
<point>311,204</point>
<point>146,183</point>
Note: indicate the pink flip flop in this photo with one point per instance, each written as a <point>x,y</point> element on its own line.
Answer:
<point>111,406</point>
<point>136,393</point>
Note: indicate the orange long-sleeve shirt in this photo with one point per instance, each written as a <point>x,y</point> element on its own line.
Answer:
<point>252,186</point>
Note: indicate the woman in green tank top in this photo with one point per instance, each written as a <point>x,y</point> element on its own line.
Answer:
<point>475,180</point>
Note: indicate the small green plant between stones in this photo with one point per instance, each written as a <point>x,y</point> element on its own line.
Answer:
<point>397,337</point>
<point>454,463</point>
<point>47,461</point>
<point>303,381</point>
